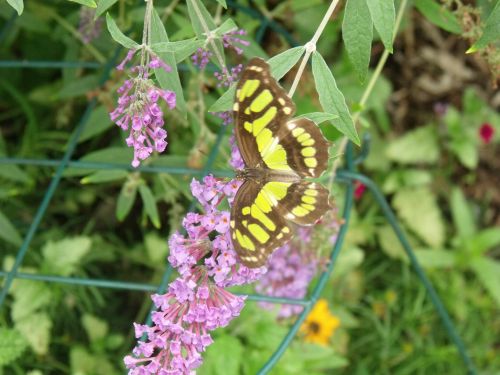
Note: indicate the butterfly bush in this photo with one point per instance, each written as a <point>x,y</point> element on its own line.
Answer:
<point>197,302</point>
<point>293,266</point>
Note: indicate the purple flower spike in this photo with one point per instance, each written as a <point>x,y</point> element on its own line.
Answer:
<point>232,40</point>
<point>139,112</point>
<point>196,302</point>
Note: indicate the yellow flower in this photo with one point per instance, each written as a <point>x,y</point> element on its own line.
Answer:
<point>320,324</point>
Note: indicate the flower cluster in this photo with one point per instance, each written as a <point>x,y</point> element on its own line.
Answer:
<point>89,28</point>
<point>197,301</point>
<point>138,109</point>
<point>232,40</point>
<point>292,266</point>
<point>201,58</point>
<point>228,76</point>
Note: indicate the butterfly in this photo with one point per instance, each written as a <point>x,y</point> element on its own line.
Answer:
<point>279,152</point>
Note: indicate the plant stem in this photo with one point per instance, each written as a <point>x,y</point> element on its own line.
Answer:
<point>368,90</point>
<point>207,32</point>
<point>311,46</point>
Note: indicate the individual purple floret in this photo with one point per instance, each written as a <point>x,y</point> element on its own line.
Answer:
<point>236,160</point>
<point>226,116</point>
<point>89,28</point>
<point>139,111</point>
<point>201,57</point>
<point>226,77</point>
<point>231,40</point>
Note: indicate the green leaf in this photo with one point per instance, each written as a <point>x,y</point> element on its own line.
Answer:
<point>201,21</point>
<point>462,214</point>
<point>438,15</point>
<point>36,330</point>
<point>407,177</point>
<point>225,102</point>
<point>126,200</point>
<point>118,36</point>
<point>103,6</point>
<point>8,231</point>
<point>64,257</point>
<point>223,3</point>
<point>417,146</point>
<point>227,26</point>
<point>12,345</point>
<point>485,240</point>
<point>156,247</point>
<point>29,297</point>
<point>105,155</point>
<point>226,353</point>
<point>14,173</point>
<point>331,99</point>
<point>383,16</point>
<point>104,176</point>
<point>181,49</point>
<point>319,117</point>
<point>18,5</point>
<point>96,328</point>
<point>284,61</point>
<point>488,272</point>
<point>87,3</point>
<point>419,210</point>
<point>167,80</point>
<point>318,357</point>
<point>491,30</point>
<point>78,87</point>
<point>390,244</point>
<point>435,258</point>
<point>150,205</point>
<point>98,122</point>
<point>357,32</point>
<point>279,65</point>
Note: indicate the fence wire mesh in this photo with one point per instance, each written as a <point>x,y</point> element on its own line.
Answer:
<point>345,176</point>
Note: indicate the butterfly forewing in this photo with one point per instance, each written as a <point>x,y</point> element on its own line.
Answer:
<point>260,103</point>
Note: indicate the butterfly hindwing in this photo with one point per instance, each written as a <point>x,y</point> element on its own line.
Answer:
<point>257,227</point>
<point>306,203</point>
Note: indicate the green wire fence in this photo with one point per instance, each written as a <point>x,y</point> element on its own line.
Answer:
<point>346,176</point>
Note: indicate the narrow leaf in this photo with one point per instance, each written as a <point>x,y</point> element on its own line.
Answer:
<point>438,15</point>
<point>223,3</point>
<point>491,30</point>
<point>167,80</point>
<point>87,3</point>
<point>8,231</point>
<point>283,62</point>
<point>462,214</point>
<point>126,200</point>
<point>225,102</point>
<point>181,49</point>
<point>227,26</point>
<point>357,32</point>
<point>331,99</point>
<point>488,272</point>
<point>104,176</point>
<point>319,117</point>
<point>203,23</point>
<point>150,205</point>
<point>117,35</point>
<point>103,6</point>
<point>383,16</point>
<point>18,5</point>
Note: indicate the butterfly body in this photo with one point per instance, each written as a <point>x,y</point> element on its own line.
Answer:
<point>279,153</point>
